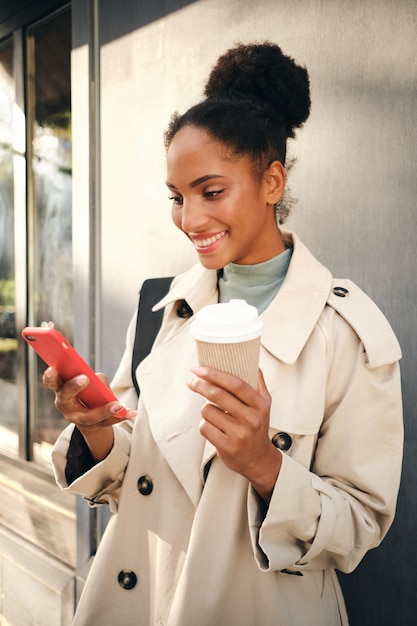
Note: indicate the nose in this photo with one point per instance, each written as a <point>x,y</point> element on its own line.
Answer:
<point>192,218</point>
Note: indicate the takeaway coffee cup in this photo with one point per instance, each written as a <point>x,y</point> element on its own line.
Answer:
<point>228,337</point>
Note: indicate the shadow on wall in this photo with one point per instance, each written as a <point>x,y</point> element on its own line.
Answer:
<point>138,14</point>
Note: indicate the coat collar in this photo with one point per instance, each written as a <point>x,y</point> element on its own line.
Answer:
<point>197,287</point>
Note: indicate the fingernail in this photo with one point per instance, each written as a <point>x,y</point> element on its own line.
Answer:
<point>116,408</point>
<point>81,380</point>
<point>199,371</point>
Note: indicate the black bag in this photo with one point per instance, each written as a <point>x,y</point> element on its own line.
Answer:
<point>148,321</point>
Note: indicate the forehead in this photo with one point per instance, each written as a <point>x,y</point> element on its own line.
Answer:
<point>193,152</point>
<point>194,141</point>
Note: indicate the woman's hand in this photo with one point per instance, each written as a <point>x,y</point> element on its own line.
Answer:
<point>94,424</point>
<point>236,422</point>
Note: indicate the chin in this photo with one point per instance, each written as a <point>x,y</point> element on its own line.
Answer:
<point>210,264</point>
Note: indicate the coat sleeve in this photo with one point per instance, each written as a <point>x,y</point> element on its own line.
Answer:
<point>101,484</point>
<point>331,514</point>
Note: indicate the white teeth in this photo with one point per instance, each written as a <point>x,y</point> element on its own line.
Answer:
<point>204,243</point>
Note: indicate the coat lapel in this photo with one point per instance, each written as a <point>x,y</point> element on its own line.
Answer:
<point>174,412</point>
<point>292,315</point>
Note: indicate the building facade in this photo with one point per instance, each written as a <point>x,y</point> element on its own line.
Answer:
<point>86,91</point>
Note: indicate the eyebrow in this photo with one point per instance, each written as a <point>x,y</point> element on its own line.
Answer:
<point>197,181</point>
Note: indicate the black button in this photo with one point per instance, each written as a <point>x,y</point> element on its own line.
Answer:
<point>145,485</point>
<point>282,441</point>
<point>184,310</point>
<point>341,292</point>
<point>127,579</point>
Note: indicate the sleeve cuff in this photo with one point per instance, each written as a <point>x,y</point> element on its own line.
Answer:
<point>102,477</point>
<point>282,536</point>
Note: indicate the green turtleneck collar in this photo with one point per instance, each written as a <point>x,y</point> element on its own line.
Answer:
<point>257,284</point>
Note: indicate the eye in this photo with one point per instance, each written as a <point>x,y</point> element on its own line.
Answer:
<point>213,194</point>
<point>176,200</point>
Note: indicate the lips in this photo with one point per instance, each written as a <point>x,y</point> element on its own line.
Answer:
<point>208,242</point>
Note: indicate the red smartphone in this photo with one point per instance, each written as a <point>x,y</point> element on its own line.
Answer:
<point>57,352</point>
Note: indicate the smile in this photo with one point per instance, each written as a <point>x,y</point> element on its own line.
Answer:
<point>208,241</point>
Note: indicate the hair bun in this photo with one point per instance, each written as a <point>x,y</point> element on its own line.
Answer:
<point>261,73</point>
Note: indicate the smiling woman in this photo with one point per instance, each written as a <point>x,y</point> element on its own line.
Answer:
<point>229,216</point>
<point>235,505</point>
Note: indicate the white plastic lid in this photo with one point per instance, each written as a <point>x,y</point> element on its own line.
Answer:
<point>227,322</point>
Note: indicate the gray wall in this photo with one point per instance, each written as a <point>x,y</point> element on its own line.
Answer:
<point>355,181</point>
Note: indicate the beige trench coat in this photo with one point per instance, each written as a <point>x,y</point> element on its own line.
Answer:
<point>188,543</point>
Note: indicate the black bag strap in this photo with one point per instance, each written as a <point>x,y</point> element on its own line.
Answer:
<point>148,322</point>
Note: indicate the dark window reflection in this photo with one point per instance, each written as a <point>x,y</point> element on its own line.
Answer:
<point>52,185</point>
<point>8,341</point>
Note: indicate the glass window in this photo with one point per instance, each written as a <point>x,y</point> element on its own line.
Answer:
<point>50,185</point>
<point>49,282</point>
<point>8,340</point>
<point>35,273</point>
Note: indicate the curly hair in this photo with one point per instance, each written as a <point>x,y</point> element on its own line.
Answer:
<point>255,98</point>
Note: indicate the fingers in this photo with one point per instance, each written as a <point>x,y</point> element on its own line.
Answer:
<point>227,391</point>
<point>234,407</point>
<point>72,408</point>
<point>216,385</point>
<point>51,379</point>
<point>214,433</point>
<point>214,415</point>
<point>66,394</point>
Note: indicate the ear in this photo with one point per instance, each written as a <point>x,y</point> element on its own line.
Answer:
<point>275,178</point>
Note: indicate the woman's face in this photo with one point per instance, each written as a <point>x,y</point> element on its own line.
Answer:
<point>216,201</point>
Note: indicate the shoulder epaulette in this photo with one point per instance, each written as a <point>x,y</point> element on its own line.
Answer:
<point>367,320</point>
